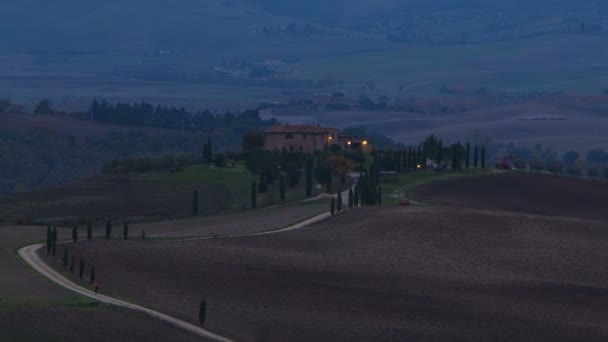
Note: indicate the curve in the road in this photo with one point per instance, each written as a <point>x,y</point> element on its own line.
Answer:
<point>30,256</point>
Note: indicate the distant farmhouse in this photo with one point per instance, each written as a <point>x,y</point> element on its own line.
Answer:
<point>307,138</point>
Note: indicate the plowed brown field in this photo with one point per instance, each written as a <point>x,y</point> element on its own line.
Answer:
<point>380,274</point>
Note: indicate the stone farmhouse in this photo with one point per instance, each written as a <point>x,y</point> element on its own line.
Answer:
<point>309,138</point>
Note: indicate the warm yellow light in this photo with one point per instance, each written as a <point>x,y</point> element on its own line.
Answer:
<point>349,142</point>
<point>331,138</point>
<point>364,142</point>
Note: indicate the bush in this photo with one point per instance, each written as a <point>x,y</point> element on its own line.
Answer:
<point>572,171</point>
<point>593,172</point>
<point>20,219</point>
<point>219,160</point>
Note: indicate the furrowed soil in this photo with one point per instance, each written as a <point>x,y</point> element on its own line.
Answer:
<point>522,192</point>
<point>379,274</point>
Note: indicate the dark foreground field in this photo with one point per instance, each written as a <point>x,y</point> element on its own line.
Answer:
<point>523,192</point>
<point>380,274</point>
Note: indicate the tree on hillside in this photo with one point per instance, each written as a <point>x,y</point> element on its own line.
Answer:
<point>309,168</point>
<point>75,234</point>
<point>467,155</point>
<point>72,264</point>
<point>282,188</point>
<point>81,269</point>
<point>339,203</point>
<point>351,199</point>
<point>89,232</point>
<point>92,276</point>
<point>483,157</point>
<point>53,241</point>
<point>333,205</point>
<point>125,231</point>
<point>570,158</point>
<point>293,174</point>
<point>108,229</point>
<point>49,240</point>
<point>202,312</point>
<point>252,141</point>
<point>254,195</point>
<point>65,257</point>
<point>476,157</point>
<point>208,152</point>
<point>44,107</point>
<point>195,204</point>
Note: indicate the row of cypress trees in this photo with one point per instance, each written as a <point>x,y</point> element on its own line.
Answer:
<point>81,266</point>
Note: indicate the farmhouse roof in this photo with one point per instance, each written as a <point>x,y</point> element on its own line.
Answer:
<point>299,129</point>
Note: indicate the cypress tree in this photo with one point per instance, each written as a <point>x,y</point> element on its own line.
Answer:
<point>476,157</point>
<point>333,205</point>
<point>202,312</point>
<point>339,204</point>
<point>65,257</point>
<point>254,195</point>
<point>49,240</point>
<point>467,157</point>
<point>143,235</point>
<point>195,203</point>
<point>309,167</point>
<point>483,157</point>
<point>356,195</point>
<point>72,264</point>
<point>89,232</point>
<point>53,241</point>
<point>92,277</point>
<point>210,152</point>
<point>379,195</point>
<point>75,233</point>
<point>108,229</point>
<point>81,269</point>
<point>125,231</point>
<point>351,200</point>
<point>282,188</point>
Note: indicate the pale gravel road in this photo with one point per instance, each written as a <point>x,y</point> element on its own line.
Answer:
<point>30,256</point>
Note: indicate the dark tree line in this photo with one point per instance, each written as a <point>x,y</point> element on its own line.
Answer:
<point>145,114</point>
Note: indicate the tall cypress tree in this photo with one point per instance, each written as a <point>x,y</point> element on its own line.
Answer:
<point>49,240</point>
<point>282,188</point>
<point>75,233</point>
<point>125,231</point>
<point>89,232</point>
<point>333,205</point>
<point>254,195</point>
<point>467,157</point>
<point>356,195</point>
<point>379,195</point>
<point>54,241</point>
<point>72,264</point>
<point>483,157</point>
<point>92,276</point>
<point>202,312</point>
<point>210,152</point>
<point>476,157</point>
<point>65,257</point>
<point>351,199</point>
<point>81,269</point>
<point>195,205</point>
<point>339,203</point>
<point>108,229</point>
<point>309,168</point>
